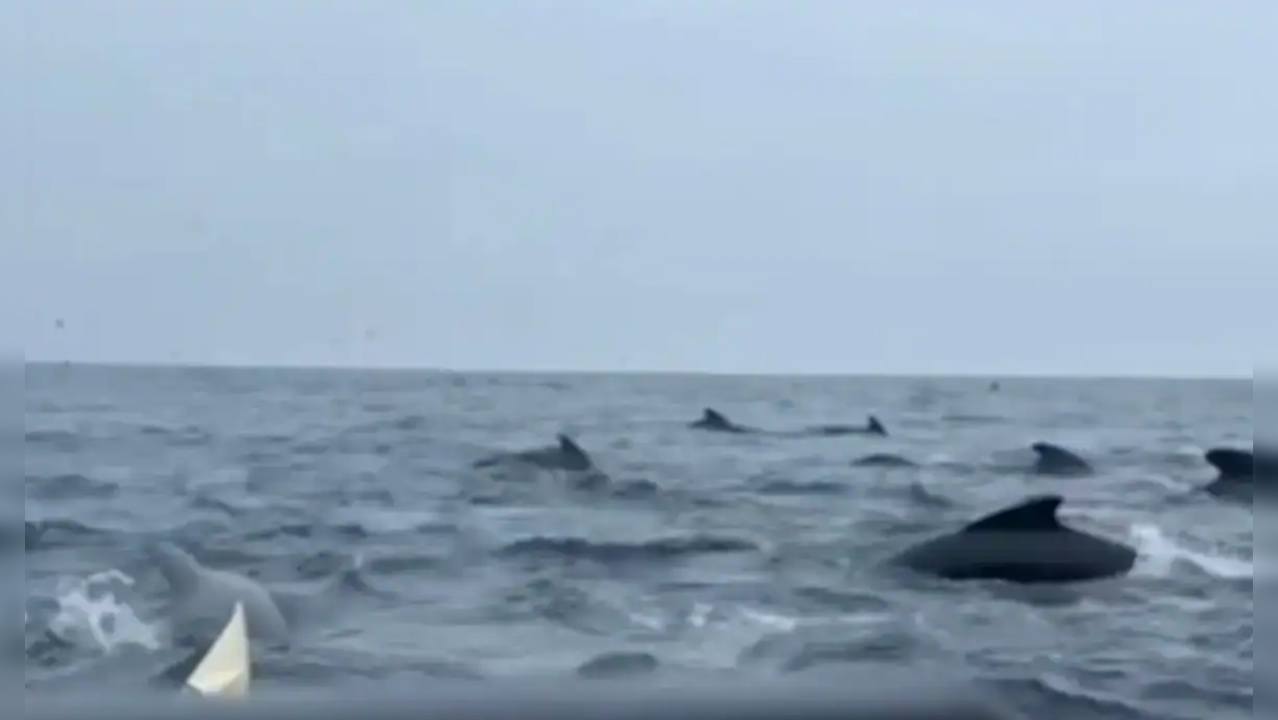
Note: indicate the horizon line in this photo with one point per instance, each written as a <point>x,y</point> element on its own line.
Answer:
<point>973,375</point>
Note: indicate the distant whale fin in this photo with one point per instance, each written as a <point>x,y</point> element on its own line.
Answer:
<point>714,417</point>
<point>1054,458</point>
<point>1037,513</point>
<point>876,427</point>
<point>180,570</point>
<point>569,447</point>
<point>1232,464</point>
<point>1048,450</point>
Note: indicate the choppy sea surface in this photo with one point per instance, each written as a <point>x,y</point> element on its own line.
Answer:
<point>352,494</point>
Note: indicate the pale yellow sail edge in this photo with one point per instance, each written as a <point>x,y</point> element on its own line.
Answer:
<point>226,670</point>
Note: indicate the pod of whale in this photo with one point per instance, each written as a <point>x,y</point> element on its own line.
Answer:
<point>1057,461</point>
<point>1025,543</point>
<point>201,599</point>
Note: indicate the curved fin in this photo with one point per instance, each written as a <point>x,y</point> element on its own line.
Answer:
<point>1054,452</point>
<point>226,670</point>
<point>876,427</point>
<point>1038,513</point>
<point>714,417</point>
<point>1054,459</point>
<point>180,570</point>
<point>569,447</point>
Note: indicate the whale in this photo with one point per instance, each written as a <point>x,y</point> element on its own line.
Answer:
<point>715,421</point>
<point>1238,470</point>
<point>872,426</point>
<point>884,460</point>
<point>202,599</point>
<point>1026,544</point>
<point>1232,463</point>
<point>1057,461</point>
<point>565,454</point>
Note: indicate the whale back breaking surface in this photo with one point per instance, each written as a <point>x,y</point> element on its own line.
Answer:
<point>1238,470</point>
<point>1232,463</point>
<point>201,598</point>
<point>180,570</point>
<point>884,460</point>
<point>1025,543</point>
<point>1034,515</point>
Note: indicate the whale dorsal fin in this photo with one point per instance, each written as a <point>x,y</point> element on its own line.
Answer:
<point>180,570</point>
<point>1037,513</point>
<point>876,427</point>
<point>569,447</point>
<point>714,417</point>
<point>1055,452</point>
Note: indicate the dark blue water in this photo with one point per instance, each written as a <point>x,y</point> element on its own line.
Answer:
<point>352,491</point>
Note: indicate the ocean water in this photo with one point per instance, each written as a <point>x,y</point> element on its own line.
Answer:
<point>351,494</point>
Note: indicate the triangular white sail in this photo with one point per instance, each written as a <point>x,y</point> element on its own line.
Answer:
<point>225,670</point>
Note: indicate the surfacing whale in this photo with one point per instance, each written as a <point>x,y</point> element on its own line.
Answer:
<point>1056,460</point>
<point>884,460</point>
<point>715,421</point>
<point>1238,470</point>
<point>1025,543</point>
<point>565,454</point>
<point>202,599</point>
<point>872,426</point>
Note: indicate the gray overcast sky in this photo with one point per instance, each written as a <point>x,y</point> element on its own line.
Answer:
<point>718,185</point>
